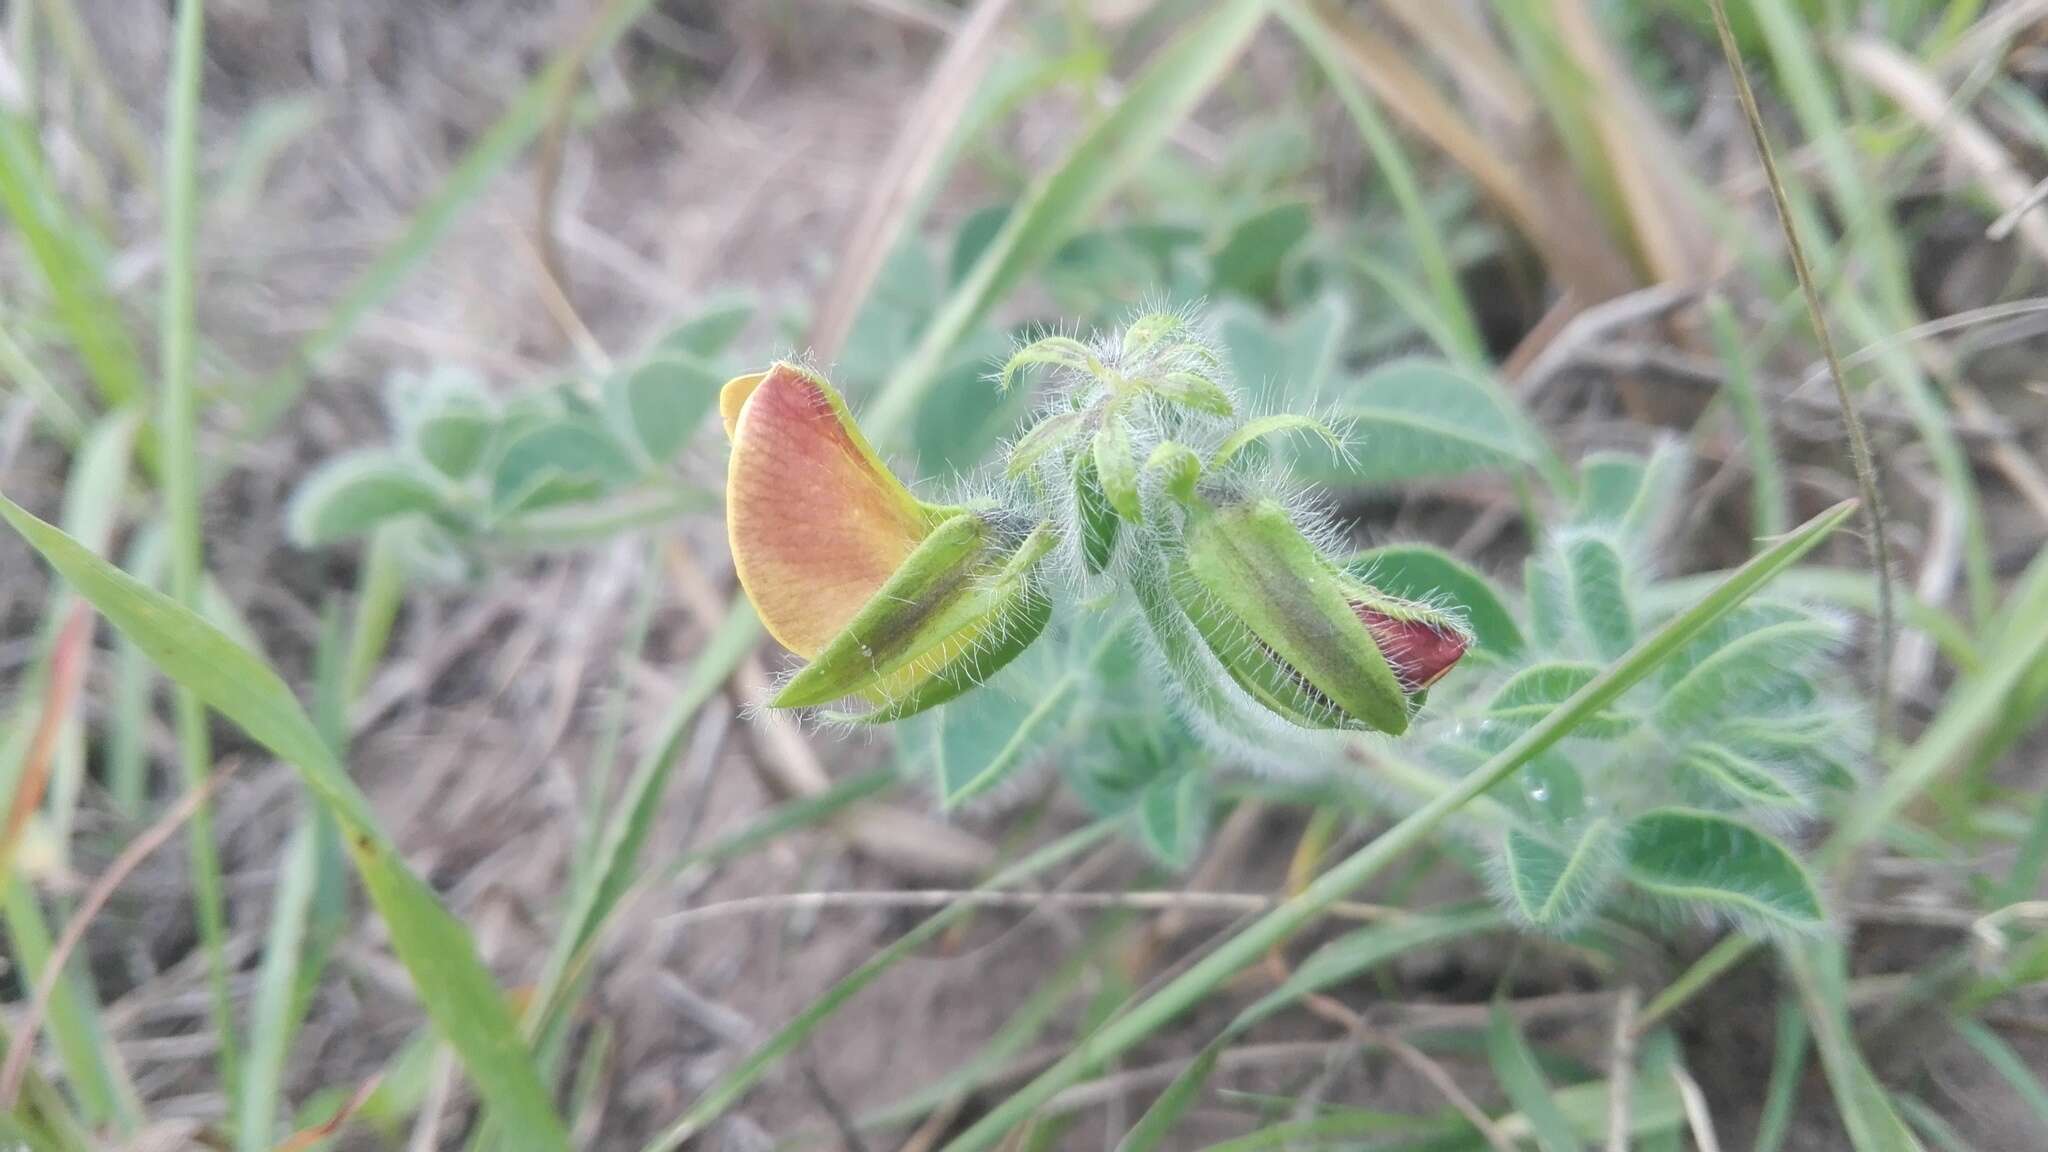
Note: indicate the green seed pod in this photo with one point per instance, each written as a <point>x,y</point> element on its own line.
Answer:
<point>1310,644</point>
<point>961,606</point>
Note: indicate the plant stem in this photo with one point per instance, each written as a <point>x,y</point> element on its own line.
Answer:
<point>177,429</point>
<point>1859,443</point>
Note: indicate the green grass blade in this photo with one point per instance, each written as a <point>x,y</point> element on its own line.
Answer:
<point>492,152</point>
<point>452,982</point>
<point>54,402</point>
<point>92,1066</point>
<point>71,264</point>
<point>1346,958</point>
<point>1181,994</point>
<point>1065,197</point>
<point>1938,1131</point>
<point>1974,704</point>
<point>1865,1107</point>
<point>1391,160</point>
<point>2025,1081</point>
<point>1515,1068</point>
<point>735,1084</point>
<point>178,460</point>
<point>618,853</point>
<point>272,1020</point>
<point>1770,513</point>
<point>300,929</point>
<point>1788,1063</point>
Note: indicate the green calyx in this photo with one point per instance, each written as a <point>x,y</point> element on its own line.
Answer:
<point>1279,617</point>
<point>1098,520</point>
<point>961,607</point>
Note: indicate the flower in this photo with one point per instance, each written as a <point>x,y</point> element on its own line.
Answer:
<point>895,602</point>
<point>1309,643</point>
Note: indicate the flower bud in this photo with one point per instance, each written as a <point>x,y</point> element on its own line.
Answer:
<point>1309,643</point>
<point>962,606</point>
<point>894,601</point>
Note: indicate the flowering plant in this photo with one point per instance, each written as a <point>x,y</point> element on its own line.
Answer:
<point>1141,585</point>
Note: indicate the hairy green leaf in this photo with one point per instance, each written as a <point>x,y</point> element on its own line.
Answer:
<point>1716,862</point>
<point>350,495</point>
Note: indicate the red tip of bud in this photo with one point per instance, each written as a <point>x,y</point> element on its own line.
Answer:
<point>1418,651</point>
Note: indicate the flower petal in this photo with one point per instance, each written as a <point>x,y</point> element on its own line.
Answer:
<point>817,522</point>
<point>1419,651</point>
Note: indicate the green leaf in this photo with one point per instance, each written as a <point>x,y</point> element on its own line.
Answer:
<point>1514,1065</point>
<point>1416,419</point>
<point>1744,669</point>
<point>1716,862</point>
<point>349,495</point>
<point>453,984</point>
<point>1042,438</point>
<point>1116,466</point>
<point>1049,352</point>
<point>555,462</point>
<point>1741,778</point>
<point>973,237</point>
<point>1536,691</point>
<point>1173,817</point>
<point>1250,258</point>
<point>656,404</point>
<point>453,442</point>
<point>985,737</point>
<point>1609,483</point>
<point>1544,589</point>
<point>712,330</point>
<point>1062,200</point>
<point>1599,592</point>
<point>1284,363</point>
<point>1253,431</point>
<point>1432,576</point>
<point>1554,890</point>
<point>962,418</point>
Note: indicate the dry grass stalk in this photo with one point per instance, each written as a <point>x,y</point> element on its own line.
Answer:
<point>1860,457</point>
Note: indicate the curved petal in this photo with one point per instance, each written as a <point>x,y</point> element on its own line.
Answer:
<point>1419,650</point>
<point>817,522</point>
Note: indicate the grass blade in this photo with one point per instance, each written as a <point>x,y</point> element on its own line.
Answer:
<point>492,152</point>
<point>178,460</point>
<point>2025,1081</point>
<point>735,1084</point>
<point>71,265</point>
<point>1178,76</point>
<point>452,982</point>
<point>1249,945</point>
<point>1391,160</point>
<point>1769,513</point>
<point>294,946</point>
<point>1866,1109</point>
<point>1514,1066</point>
<point>1788,1063</point>
<point>1859,442</point>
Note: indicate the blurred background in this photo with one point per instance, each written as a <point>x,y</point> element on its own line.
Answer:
<point>385,334</point>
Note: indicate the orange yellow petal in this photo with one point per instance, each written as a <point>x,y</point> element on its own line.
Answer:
<point>817,522</point>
